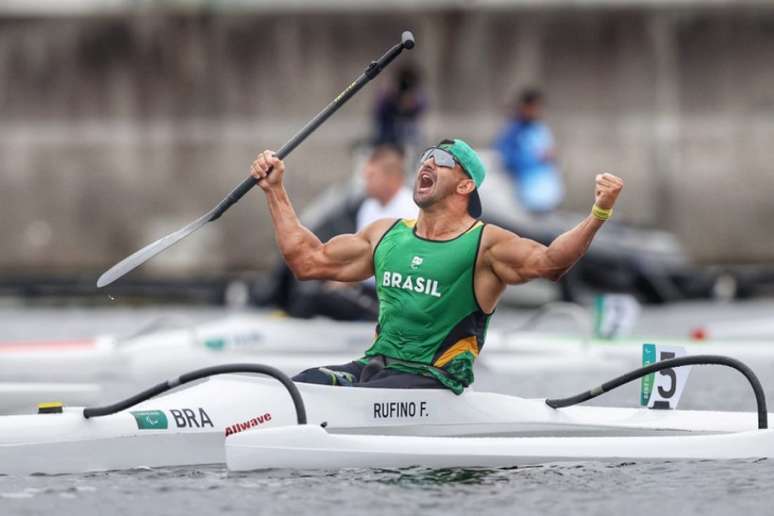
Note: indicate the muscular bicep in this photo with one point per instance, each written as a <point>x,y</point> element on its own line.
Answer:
<point>515,260</point>
<point>346,257</point>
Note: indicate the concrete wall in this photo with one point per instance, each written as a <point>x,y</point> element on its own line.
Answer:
<point>116,130</point>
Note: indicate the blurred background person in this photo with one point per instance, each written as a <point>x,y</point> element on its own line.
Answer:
<point>388,196</point>
<point>528,152</point>
<point>398,111</point>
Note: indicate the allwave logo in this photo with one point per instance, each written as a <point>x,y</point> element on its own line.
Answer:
<point>416,262</point>
<point>413,283</point>
<point>250,423</point>
<point>150,419</point>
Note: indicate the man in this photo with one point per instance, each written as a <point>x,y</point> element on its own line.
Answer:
<point>526,146</point>
<point>438,278</point>
<point>385,187</point>
<point>398,110</point>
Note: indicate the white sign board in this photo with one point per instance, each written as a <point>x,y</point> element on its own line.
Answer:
<point>663,389</point>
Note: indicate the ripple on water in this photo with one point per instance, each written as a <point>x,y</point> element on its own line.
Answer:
<point>685,487</point>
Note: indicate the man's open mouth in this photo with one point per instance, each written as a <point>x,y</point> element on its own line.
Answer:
<point>426,181</point>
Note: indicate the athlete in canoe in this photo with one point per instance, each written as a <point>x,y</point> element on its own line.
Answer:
<point>438,277</point>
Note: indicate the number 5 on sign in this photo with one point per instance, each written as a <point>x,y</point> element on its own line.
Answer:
<point>662,390</point>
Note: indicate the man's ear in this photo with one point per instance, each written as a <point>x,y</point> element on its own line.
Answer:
<point>466,186</point>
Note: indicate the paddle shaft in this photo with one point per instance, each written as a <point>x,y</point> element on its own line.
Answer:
<point>372,71</point>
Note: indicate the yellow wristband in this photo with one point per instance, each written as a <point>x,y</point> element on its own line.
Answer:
<point>601,213</point>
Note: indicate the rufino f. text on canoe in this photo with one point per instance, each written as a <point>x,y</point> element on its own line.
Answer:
<point>400,409</point>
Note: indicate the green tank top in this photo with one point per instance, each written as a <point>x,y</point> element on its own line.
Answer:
<point>430,322</point>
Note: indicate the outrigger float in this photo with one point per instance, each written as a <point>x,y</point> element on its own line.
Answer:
<point>249,423</point>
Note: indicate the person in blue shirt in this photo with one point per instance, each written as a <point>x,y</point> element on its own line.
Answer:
<point>526,146</point>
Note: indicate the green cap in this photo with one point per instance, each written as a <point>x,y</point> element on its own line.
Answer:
<point>472,165</point>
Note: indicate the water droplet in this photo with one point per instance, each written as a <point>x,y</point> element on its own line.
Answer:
<point>111,297</point>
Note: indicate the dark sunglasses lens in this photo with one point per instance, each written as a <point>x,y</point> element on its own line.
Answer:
<point>442,158</point>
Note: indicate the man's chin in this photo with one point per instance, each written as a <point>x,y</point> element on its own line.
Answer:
<point>423,201</point>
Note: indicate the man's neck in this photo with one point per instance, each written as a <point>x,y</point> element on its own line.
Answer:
<point>442,224</point>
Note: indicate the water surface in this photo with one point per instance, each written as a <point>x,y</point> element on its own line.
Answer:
<point>578,488</point>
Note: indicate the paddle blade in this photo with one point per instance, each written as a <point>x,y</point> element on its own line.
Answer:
<point>149,251</point>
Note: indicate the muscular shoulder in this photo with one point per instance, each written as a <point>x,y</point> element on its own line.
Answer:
<point>494,235</point>
<point>374,231</point>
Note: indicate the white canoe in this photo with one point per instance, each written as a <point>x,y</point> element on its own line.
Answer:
<point>191,426</point>
<point>506,350</point>
<point>291,345</point>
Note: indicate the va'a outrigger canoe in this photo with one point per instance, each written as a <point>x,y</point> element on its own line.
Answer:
<point>252,423</point>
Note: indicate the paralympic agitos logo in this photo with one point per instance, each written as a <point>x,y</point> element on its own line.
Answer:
<point>150,419</point>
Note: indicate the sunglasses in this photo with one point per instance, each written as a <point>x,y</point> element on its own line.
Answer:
<point>442,158</point>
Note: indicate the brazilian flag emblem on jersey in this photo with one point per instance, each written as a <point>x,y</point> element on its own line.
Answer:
<point>150,419</point>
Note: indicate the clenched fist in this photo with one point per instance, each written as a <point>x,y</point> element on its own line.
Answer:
<point>607,189</point>
<point>268,170</point>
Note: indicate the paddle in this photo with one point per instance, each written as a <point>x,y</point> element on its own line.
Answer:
<point>146,253</point>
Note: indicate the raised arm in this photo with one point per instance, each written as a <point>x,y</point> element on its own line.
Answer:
<point>515,260</point>
<point>343,258</point>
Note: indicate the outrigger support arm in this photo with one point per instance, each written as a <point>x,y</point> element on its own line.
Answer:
<point>760,397</point>
<point>154,391</point>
